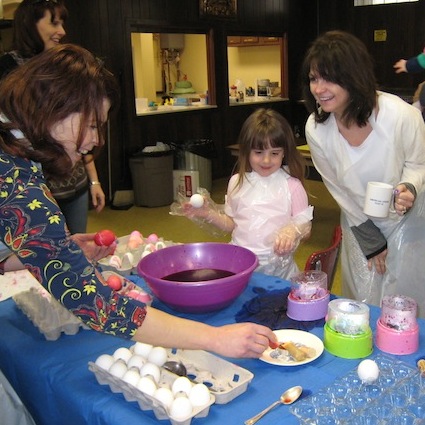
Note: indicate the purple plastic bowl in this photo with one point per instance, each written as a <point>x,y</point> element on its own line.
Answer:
<point>201,296</point>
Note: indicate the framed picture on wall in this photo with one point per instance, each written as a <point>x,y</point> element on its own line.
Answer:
<point>218,8</point>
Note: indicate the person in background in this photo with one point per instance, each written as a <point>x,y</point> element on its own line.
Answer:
<point>414,64</point>
<point>266,207</point>
<point>357,134</point>
<point>68,124</point>
<point>38,25</point>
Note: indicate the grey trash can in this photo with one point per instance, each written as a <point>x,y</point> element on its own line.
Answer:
<point>152,175</point>
<point>195,155</point>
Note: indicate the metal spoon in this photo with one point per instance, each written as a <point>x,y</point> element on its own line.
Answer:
<point>288,397</point>
<point>177,368</point>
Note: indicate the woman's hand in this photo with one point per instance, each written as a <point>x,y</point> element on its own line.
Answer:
<point>403,199</point>
<point>379,262</point>
<point>243,340</point>
<point>97,197</point>
<point>92,251</point>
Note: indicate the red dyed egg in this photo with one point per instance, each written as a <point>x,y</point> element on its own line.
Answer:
<point>105,238</point>
<point>114,282</point>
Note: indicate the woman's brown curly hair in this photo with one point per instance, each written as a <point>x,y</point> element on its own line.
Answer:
<point>65,79</point>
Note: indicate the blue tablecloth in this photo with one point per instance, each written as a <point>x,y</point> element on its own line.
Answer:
<point>53,380</point>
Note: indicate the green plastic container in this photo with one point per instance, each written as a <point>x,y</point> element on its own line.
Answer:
<point>348,346</point>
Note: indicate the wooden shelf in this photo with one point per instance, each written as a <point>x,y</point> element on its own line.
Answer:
<point>245,41</point>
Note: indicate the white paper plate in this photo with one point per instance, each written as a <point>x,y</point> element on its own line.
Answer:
<point>296,337</point>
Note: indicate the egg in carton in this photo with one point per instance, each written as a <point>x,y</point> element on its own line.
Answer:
<point>224,379</point>
<point>174,410</point>
<point>127,287</point>
<point>130,250</point>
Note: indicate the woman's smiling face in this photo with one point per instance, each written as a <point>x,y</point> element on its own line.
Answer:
<point>331,96</point>
<point>51,31</point>
<point>67,130</point>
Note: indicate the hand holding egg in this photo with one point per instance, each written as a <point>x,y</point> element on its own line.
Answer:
<point>105,238</point>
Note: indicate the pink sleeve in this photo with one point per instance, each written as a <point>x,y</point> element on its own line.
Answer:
<point>299,196</point>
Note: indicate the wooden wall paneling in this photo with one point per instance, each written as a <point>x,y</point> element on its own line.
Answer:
<point>405,35</point>
<point>110,21</point>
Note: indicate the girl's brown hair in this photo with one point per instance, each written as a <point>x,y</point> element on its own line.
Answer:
<point>341,58</point>
<point>26,38</point>
<point>263,129</point>
<point>63,80</point>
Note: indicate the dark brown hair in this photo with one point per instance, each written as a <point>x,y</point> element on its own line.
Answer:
<point>63,80</point>
<point>341,58</point>
<point>266,128</point>
<point>26,38</point>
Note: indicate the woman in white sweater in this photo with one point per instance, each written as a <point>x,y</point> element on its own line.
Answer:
<point>358,134</point>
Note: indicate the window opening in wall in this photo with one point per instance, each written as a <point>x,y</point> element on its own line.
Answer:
<point>374,2</point>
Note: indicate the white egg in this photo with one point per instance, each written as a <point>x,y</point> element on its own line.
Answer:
<point>368,371</point>
<point>151,369</point>
<point>165,396</point>
<point>136,361</point>
<point>196,200</point>
<point>158,356</point>
<point>122,353</point>
<point>132,376</point>
<point>180,408</point>
<point>118,369</point>
<point>199,395</point>
<point>105,361</point>
<point>181,384</point>
<point>142,349</point>
<point>146,385</point>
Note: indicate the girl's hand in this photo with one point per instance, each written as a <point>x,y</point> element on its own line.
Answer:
<point>92,251</point>
<point>190,211</point>
<point>286,241</point>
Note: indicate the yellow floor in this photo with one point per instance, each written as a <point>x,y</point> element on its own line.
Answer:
<point>180,229</point>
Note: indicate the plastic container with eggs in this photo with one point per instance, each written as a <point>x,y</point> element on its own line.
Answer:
<point>126,287</point>
<point>48,315</point>
<point>390,393</point>
<point>130,250</point>
<point>138,373</point>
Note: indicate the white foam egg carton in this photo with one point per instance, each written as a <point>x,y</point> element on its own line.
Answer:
<point>224,379</point>
<point>48,315</point>
<point>146,401</point>
<point>124,261</point>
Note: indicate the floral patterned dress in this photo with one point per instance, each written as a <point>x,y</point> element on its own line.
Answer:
<point>33,227</point>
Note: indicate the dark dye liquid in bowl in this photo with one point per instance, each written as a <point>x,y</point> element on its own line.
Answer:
<point>198,275</point>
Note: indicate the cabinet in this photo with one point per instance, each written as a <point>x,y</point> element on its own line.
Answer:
<point>243,41</point>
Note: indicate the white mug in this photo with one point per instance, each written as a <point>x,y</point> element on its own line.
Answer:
<point>378,199</point>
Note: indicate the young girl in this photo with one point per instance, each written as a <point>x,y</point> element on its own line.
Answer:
<point>266,208</point>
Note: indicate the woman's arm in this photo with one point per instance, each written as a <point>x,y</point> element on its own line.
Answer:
<point>96,191</point>
<point>235,340</point>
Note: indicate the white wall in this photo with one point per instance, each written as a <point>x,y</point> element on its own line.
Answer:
<point>254,62</point>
